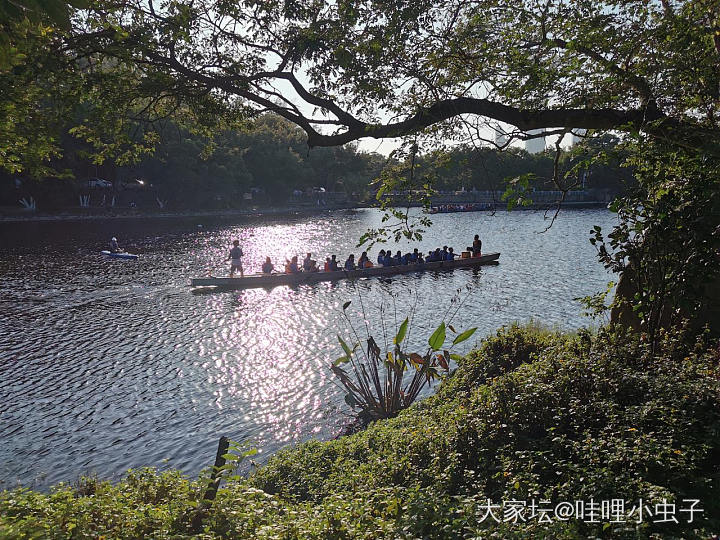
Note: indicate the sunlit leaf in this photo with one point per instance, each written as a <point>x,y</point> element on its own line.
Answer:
<point>465,335</point>
<point>437,339</point>
<point>341,360</point>
<point>401,333</point>
<point>348,351</point>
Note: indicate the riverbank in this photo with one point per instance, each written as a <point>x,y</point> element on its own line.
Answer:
<point>27,216</point>
<point>21,216</point>
<point>537,434</point>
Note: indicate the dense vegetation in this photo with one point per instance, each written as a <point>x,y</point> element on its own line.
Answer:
<point>530,415</point>
<point>271,159</point>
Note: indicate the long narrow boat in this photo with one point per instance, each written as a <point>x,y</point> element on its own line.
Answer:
<point>119,255</point>
<point>273,280</point>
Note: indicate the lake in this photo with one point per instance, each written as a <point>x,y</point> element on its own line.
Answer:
<point>107,365</point>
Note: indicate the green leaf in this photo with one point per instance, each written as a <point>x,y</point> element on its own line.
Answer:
<point>341,360</point>
<point>402,332</point>
<point>345,347</point>
<point>464,336</point>
<point>437,338</point>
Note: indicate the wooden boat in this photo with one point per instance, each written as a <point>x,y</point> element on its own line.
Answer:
<point>273,280</point>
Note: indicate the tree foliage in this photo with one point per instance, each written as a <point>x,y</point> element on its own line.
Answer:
<point>386,69</point>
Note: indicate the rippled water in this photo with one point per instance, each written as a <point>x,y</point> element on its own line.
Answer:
<point>107,365</point>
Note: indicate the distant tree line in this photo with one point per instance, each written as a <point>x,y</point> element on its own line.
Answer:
<point>269,158</point>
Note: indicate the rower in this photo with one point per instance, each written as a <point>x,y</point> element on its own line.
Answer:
<point>267,266</point>
<point>350,262</point>
<point>308,263</point>
<point>291,266</point>
<point>327,264</point>
<point>114,247</point>
<point>381,257</point>
<point>333,264</point>
<point>362,259</point>
<point>235,258</point>
<point>451,255</point>
<point>444,254</point>
<point>397,259</point>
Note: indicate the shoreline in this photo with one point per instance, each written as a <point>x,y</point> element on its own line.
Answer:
<point>268,211</point>
<point>41,217</point>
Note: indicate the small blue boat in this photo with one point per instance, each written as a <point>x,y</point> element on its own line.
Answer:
<point>119,255</point>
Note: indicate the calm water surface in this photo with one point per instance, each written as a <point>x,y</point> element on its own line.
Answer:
<point>107,365</point>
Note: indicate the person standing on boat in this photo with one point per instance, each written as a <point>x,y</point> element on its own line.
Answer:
<point>477,246</point>
<point>114,247</point>
<point>235,258</point>
<point>267,266</point>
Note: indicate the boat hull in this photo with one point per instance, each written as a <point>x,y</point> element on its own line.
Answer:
<point>119,255</point>
<point>274,280</point>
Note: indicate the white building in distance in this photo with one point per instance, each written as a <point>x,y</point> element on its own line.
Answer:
<point>501,138</point>
<point>536,145</point>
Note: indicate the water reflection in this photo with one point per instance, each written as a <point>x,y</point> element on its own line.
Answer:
<point>110,364</point>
